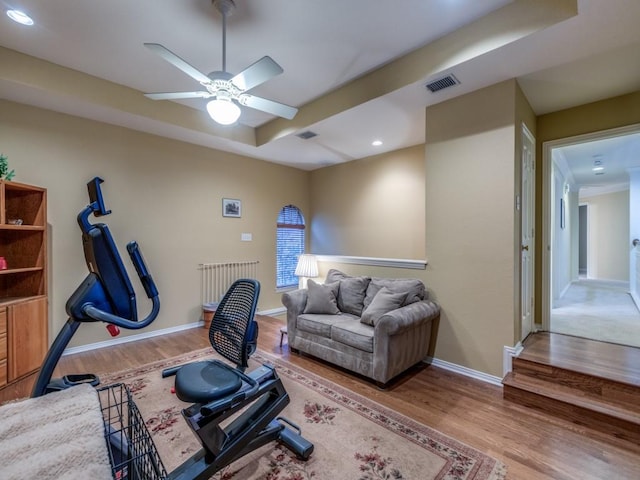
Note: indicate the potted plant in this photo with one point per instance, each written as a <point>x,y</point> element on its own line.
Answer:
<point>5,173</point>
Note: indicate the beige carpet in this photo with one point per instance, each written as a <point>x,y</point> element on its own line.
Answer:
<point>598,310</point>
<point>354,437</point>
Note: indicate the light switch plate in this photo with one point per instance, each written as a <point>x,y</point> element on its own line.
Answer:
<point>246,237</point>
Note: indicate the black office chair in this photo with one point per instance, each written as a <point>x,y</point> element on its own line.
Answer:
<point>233,334</point>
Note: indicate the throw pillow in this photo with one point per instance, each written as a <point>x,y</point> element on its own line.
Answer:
<point>321,298</point>
<point>414,288</point>
<point>335,275</point>
<point>384,302</point>
<point>351,294</point>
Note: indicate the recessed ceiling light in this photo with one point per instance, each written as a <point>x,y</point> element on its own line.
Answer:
<point>20,17</point>
<point>597,169</point>
<point>376,143</point>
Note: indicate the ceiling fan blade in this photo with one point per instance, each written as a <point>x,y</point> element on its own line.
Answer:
<point>257,73</point>
<point>176,61</point>
<point>176,95</point>
<point>268,106</point>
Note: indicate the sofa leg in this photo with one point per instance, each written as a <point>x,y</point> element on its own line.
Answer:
<point>381,386</point>
<point>294,350</point>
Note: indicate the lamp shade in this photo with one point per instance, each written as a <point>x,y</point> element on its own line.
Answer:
<point>223,111</point>
<point>307,266</point>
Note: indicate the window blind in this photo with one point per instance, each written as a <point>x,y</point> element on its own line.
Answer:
<point>289,245</point>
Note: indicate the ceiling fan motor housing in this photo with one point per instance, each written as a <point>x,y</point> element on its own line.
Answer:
<point>225,7</point>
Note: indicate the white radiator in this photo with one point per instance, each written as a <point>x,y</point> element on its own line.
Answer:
<point>218,277</point>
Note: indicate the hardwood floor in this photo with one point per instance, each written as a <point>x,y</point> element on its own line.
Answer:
<point>533,444</point>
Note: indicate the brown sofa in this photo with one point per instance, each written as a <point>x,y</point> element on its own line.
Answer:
<point>377,327</point>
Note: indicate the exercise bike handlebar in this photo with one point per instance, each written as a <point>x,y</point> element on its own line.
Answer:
<point>95,313</point>
<point>91,310</point>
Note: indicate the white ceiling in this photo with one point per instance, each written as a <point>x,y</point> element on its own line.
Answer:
<point>323,46</point>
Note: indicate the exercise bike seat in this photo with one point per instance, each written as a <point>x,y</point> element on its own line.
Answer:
<point>233,333</point>
<point>204,382</point>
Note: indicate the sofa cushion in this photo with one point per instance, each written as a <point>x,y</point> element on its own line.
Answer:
<point>322,298</point>
<point>413,287</point>
<point>384,301</point>
<point>351,294</point>
<point>354,334</point>
<point>321,324</point>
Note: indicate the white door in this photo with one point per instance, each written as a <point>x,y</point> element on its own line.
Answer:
<point>634,231</point>
<point>528,232</point>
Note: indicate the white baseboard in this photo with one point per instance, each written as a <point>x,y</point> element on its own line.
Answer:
<point>507,357</point>
<point>636,299</point>
<point>468,372</point>
<point>131,338</point>
<point>273,311</point>
<point>154,333</point>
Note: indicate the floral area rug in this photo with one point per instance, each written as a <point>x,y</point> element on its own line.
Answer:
<point>354,437</point>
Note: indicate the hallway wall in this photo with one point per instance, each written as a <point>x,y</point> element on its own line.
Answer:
<point>608,236</point>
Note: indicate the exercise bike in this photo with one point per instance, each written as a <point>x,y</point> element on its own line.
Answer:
<point>216,390</point>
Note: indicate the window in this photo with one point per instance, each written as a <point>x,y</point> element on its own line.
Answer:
<point>289,245</point>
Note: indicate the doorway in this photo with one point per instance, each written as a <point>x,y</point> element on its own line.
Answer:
<point>590,207</point>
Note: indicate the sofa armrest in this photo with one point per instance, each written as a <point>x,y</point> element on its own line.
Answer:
<point>294,301</point>
<point>407,317</point>
<point>404,337</point>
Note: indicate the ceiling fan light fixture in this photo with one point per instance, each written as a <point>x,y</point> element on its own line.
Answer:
<point>20,17</point>
<point>223,111</point>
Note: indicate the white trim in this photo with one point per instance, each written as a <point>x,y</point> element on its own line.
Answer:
<point>508,353</point>
<point>273,311</point>
<point>636,299</point>
<point>468,372</point>
<point>565,290</point>
<point>154,333</point>
<point>131,338</point>
<point>374,261</point>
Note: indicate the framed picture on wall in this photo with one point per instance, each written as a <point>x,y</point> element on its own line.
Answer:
<point>231,207</point>
<point>562,213</point>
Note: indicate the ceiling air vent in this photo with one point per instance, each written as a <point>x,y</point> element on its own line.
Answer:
<point>441,83</point>
<point>306,135</point>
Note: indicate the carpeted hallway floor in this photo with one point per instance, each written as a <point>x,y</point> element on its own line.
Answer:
<point>599,310</point>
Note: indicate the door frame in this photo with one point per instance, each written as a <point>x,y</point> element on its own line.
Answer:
<point>547,220</point>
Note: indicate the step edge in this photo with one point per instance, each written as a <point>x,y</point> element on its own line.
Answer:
<point>615,410</point>
<point>617,380</point>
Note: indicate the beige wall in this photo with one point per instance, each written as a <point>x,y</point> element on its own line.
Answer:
<point>372,207</point>
<point>468,232</point>
<point>608,236</point>
<point>163,193</point>
<point>470,223</point>
<point>593,117</point>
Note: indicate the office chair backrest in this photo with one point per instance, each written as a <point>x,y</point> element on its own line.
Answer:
<point>233,332</point>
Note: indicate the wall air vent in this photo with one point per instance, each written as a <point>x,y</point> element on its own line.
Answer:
<point>441,83</point>
<point>306,135</point>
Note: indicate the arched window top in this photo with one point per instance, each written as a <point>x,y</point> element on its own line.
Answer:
<point>290,215</point>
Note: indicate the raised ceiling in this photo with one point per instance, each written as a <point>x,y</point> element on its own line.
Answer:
<point>356,69</point>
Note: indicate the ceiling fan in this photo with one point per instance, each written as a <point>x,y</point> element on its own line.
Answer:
<point>226,90</point>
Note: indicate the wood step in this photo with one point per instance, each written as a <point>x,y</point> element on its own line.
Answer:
<point>581,408</point>
<point>607,389</point>
<point>598,359</point>
<point>591,384</point>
